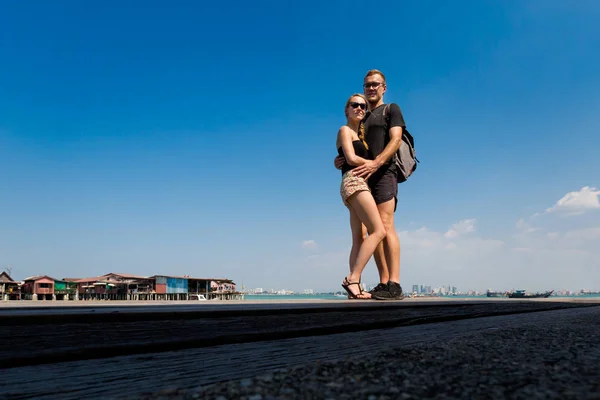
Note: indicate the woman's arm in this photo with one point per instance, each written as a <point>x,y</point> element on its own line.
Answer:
<point>345,140</point>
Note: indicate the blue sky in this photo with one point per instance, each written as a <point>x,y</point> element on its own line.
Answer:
<point>198,138</point>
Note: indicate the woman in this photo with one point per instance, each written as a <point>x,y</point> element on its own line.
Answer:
<point>357,196</point>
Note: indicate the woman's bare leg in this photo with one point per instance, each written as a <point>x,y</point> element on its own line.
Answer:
<point>359,234</point>
<point>365,209</point>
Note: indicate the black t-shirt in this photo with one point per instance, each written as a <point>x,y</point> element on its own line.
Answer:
<point>359,149</point>
<point>376,136</point>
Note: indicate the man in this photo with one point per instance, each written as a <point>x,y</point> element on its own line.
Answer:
<point>381,176</point>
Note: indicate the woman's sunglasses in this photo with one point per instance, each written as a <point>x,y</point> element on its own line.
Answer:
<point>362,106</point>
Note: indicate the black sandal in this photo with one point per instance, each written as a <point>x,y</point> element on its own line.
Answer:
<point>346,285</point>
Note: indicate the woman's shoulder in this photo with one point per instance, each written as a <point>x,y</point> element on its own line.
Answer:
<point>347,131</point>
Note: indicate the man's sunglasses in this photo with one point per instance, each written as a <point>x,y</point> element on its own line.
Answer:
<point>373,85</point>
<point>362,106</point>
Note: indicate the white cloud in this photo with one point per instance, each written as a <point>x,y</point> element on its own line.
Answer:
<point>584,234</point>
<point>532,257</point>
<point>576,203</point>
<point>309,244</point>
<point>524,226</point>
<point>462,227</point>
<point>422,238</point>
<point>546,252</point>
<point>457,257</point>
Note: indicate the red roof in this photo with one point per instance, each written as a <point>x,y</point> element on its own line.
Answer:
<point>38,277</point>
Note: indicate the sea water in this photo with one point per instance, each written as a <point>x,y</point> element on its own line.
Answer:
<point>328,296</point>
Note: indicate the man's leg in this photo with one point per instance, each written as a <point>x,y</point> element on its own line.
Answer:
<point>384,187</point>
<point>380,261</point>
<point>382,269</point>
<point>391,246</point>
<point>391,243</point>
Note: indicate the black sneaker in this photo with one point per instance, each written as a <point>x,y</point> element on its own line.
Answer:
<point>393,292</point>
<point>381,287</point>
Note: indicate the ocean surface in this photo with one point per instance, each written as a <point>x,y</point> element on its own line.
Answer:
<point>274,297</point>
<point>268,297</point>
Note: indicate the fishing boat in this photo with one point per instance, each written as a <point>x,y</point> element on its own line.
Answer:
<point>522,294</point>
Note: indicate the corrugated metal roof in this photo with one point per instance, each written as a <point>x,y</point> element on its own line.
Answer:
<point>192,278</point>
<point>7,278</point>
<point>127,276</point>
<point>38,277</point>
<point>105,277</point>
<point>93,279</point>
<point>71,279</point>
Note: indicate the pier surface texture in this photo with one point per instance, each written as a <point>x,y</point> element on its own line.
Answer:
<point>337,349</point>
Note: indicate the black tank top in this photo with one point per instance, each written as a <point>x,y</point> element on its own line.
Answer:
<point>359,149</point>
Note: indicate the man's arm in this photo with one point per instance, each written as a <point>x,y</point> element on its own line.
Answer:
<point>396,123</point>
<point>392,147</point>
<point>369,167</point>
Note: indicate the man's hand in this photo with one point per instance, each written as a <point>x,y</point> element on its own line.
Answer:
<point>338,162</point>
<point>367,169</point>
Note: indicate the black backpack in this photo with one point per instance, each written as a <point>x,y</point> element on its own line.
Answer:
<point>405,158</point>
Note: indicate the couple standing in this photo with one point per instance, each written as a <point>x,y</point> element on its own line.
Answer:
<point>366,147</point>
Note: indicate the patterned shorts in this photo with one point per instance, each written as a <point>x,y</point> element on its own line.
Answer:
<point>352,184</point>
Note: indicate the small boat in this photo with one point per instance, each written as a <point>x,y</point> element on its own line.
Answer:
<point>522,294</point>
<point>496,294</point>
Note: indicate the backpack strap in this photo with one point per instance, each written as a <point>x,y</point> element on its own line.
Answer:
<point>386,115</point>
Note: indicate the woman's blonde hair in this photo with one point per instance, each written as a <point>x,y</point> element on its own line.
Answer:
<point>361,125</point>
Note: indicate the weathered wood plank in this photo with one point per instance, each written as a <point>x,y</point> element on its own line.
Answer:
<point>97,310</point>
<point>46,343</point>
<point>131,375</point>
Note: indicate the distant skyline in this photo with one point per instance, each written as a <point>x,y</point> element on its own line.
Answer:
<point>198,139</point>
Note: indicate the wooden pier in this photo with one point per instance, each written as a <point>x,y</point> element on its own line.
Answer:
<point>145,297</point>
<point>107,351</point>
<point>118,287</point>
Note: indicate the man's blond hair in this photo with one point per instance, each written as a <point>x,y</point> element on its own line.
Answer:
<point>372,72</point>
